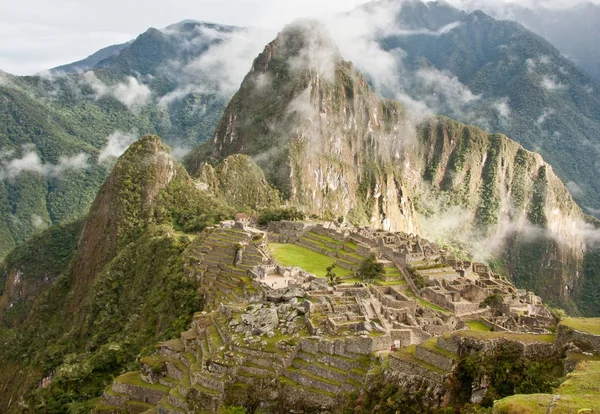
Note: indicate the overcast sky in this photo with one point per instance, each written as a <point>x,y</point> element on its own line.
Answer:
<point>41,34</point>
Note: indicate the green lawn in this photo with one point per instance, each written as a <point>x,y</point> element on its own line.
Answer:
<point>589,325</point>
<point>477,326</point>
<point>431,345</point>
<point>134,378</point>
<point>427,304</point>
<point>580,393</point>
<point>399,282</point>
<point>312,262</point>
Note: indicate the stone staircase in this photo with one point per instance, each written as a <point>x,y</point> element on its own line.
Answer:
<point>323,376</point>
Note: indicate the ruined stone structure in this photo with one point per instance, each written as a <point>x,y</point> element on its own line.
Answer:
<point>280,334</point>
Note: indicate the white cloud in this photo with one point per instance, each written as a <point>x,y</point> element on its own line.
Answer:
<point>38,222</point>
<point>398,31</point>
<point>547,113</point>
<point>132,93</point>
<point>551,84</point>
<point>30,162</point>
<point>116,144</point>
<point>180,152</point>
<point>503,108</point>
<point>446,85</point>
<point>318,54</point>
<point>575,189</point>
<point>221,68</point>
<point>302,105</point>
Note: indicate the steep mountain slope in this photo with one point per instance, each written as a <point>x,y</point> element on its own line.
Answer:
<point>57,130</point>
<point>498,75</point>
<point>572,28</point>
<point>81,301</point>
<point>333,148</point>
<point>91,61</point>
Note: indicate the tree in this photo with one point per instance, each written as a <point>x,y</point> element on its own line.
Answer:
<point>494,301</point>
<point>331,276</point>
<point>370,269</point>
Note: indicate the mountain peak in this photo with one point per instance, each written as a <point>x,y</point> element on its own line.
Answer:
<point>304,45</point>
<point>124,205</point>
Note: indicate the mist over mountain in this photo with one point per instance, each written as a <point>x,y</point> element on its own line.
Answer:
<point>491,73</point>
<point>61,130</point>
<point>333,140</point>
<point>572,27</point>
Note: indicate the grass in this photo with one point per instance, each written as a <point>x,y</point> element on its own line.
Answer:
<point>427,304</point>
<point>319,244</point>
<point>408,354</point>
<point>478,326</point>
<point>134,378</point>
<point>190,236</point>
<point>351,245</point>
<point>524,404</point>
<point>326,239</point>
<point>578,394</point>
<point>581,357</point>
<point>588,325</point>
<point>522,337</point>
<point>431,345</point>
<point>312,262</point>
<point>399,282</point>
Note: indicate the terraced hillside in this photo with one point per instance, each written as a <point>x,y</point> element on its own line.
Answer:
<point>277,334</point>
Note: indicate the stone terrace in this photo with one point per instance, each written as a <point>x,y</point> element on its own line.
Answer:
<point>304,342</point>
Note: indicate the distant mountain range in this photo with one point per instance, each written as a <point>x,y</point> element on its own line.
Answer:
<point>573,29</point>
<point>503,78</point>
<point>58,130</point>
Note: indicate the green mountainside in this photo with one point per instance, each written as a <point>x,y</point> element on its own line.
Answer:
<point>516,83</point>
<point>55,128</point>
<point>81,301</point>
<point>572,28</point>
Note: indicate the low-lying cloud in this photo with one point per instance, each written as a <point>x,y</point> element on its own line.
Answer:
<point>132,93</point>
<point>30,161</point>
<point>221,68</point>
<point>116,144</point>
<point>551,84</point>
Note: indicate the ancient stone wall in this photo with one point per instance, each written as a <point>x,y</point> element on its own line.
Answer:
<point>435,359</point>
<point>448,344</point>
<point>407,367</point>
<point>139,393</point>
<point>585,341</point>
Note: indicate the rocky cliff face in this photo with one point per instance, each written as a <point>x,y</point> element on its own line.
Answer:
<point>333,148</point>
<point>321,135</point>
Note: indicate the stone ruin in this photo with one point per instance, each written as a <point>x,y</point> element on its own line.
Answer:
<point>273,332</point>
